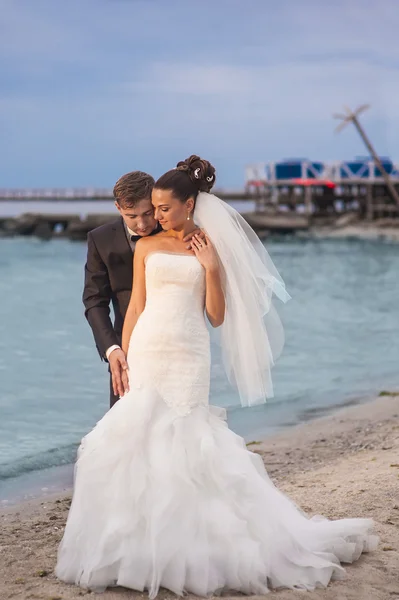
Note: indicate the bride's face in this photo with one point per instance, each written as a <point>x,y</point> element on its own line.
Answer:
<point>169,211</point>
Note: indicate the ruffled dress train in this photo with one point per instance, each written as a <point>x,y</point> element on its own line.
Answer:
<point>166,495</point>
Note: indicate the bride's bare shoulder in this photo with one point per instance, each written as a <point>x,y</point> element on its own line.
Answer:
<point>149,243</point>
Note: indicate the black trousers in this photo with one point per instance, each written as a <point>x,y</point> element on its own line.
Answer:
<point>112,398</point>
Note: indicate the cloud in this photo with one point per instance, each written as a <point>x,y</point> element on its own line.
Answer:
<point>264,96</point>
<point>194,79</point>
<point>89,89</point>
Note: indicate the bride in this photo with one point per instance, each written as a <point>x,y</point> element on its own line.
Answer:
<point>165,495</point>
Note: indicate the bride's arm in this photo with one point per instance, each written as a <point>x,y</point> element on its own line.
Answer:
<point>138,297</point>
<point>214,298</point>
<point>215,305</point>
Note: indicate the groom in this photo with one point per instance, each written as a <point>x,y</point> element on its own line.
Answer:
<point>109,271</point>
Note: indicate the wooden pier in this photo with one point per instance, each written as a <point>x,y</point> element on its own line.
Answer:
<point>319,198</point>
<point>283,207</point>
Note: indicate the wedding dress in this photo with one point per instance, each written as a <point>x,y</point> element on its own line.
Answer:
<point>166,495</point>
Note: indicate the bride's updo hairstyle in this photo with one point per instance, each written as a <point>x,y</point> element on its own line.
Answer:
<point>190,177</point>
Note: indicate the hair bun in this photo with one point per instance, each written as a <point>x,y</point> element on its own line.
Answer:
<point>200,171</point>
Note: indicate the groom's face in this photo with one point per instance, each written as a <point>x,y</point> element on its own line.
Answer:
<point>139,218</point>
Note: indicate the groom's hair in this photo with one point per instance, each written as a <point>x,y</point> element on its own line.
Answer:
<point>133,187</point>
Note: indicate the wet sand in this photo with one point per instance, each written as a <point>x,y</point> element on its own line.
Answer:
<point>344,465</point>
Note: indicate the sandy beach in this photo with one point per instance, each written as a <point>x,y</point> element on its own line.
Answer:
<point>344,465</point>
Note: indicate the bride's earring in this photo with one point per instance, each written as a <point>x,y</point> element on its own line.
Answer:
<point>188,217</point>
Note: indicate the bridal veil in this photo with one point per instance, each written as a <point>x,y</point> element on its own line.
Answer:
<point>252,335</point>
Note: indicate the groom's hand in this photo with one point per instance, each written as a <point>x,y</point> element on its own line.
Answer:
<point>189,237</point>
<point>118,366</point>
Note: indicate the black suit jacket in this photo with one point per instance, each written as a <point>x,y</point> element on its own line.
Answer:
<point>108,280</point>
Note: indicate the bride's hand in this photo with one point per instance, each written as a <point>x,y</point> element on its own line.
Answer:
<point>205,252</point>
<point>189,237</point>
<point>119,371</point>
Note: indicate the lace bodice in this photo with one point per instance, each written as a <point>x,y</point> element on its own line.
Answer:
<point>170,343</point>
<point>175,281</point>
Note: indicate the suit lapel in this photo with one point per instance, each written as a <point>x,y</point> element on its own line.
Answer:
<point>122,256</point>
<point>120,243</point>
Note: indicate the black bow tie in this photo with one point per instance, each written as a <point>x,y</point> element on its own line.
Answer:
<point>136,238</point>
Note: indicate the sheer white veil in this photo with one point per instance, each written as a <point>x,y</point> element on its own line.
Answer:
<point>252,335</point>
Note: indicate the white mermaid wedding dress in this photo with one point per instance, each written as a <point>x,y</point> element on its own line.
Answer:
<point>166,495</point>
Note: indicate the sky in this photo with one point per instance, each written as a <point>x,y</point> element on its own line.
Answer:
<point>92,89</point>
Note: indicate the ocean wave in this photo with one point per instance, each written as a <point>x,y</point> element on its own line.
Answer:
<point>54,457</point>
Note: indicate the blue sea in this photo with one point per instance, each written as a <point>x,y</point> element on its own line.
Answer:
<point>342,346</point>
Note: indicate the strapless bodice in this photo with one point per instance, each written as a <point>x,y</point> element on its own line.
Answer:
<point>170,342</point>
<point>174,281</point>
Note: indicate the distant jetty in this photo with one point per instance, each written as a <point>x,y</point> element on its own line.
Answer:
<point>76,228</point>
<point>72,195</point>
<point>47,226</point>
<point>298,197</point>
